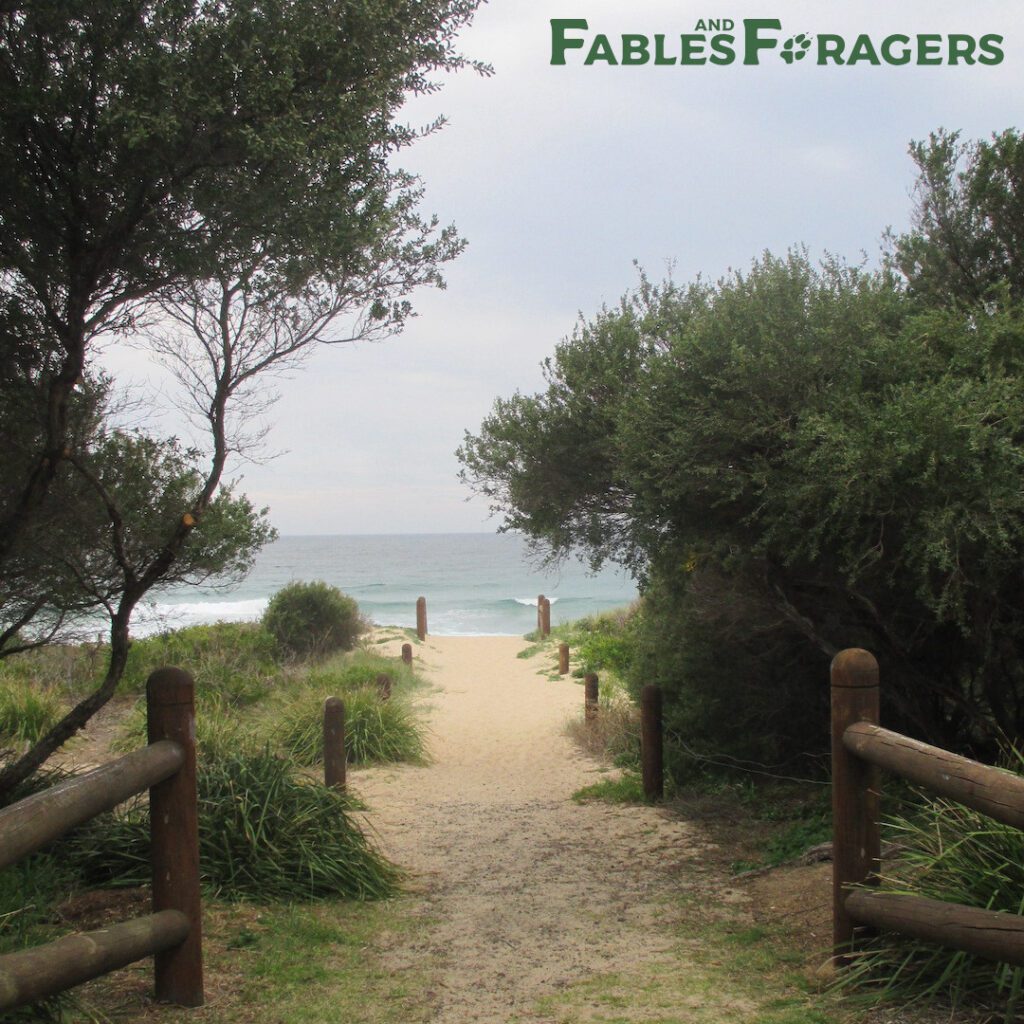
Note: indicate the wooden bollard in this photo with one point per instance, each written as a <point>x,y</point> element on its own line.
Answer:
<point>384,686</point>
<point>334,743</point>
<point>651,763</point>
<point>545,618</point>
<point>540,614</point>
<point>421,618</point>
<point>407,653</point>
<point>563,659</point>
<point>174,836</point>
<point>590,697</point>
<point>856,839</point>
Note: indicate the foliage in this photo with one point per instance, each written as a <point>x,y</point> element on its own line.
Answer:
<point>264,833</point>
<point>236,157</point>
<point>968,227</point>
<point>238,661</point>
<point>602,642</point>
<point>626,789</point>
<point>802,460</point>
<point>376,731</point>
<point>313,619</point>
<point>26,712</point>
<point>957,855</point>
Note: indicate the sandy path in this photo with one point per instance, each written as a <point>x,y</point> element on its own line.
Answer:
<point>526,891</point>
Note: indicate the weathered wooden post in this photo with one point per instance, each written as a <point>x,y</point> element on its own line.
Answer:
<point>421,618</point>
<point>540,614</point>
<point>545,618</point>
<point>590,697</point>
<point>384,686</point>
<point>174,836</point>
<point>855,794</point>
<point>563,659</point>
<point>334,743</point>
<point>407,653</point>
<point>651,762</point>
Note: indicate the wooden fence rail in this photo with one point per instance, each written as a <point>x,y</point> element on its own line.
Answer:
<point>173,932</point>
<point>859,748</point>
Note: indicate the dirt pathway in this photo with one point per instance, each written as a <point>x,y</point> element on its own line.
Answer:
<point>526,891</point>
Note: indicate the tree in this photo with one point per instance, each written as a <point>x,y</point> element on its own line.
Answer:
<point>966,246</point>
<point>803,460</point>
<point>213,161</point>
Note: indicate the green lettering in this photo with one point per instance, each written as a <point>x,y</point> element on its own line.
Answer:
<point>559,42</point>
<point>659,51</point>
<point>635,49</point>
<point>722,51</point>
<point>754,44</point>
<point>961,47</point>
<point>863,50</point>
<point>991,48</point>
<point>830,48</point>
<point>928,49</point>
<point>692,50</point>
<point>600,49</point>
<point>904,55</point>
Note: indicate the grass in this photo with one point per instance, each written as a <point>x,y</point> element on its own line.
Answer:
<point>27,711</point>
<point>264,833</point>
<point>626,789</point>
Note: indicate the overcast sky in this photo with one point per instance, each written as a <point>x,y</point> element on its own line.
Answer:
<point>561,177</point>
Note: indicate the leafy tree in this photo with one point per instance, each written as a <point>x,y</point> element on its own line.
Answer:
<point>231,164</point>
<point>802,460</point>
<point>967,242</point>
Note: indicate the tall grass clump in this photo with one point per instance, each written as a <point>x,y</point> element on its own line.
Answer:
<point>264,833</point>
<point>956,855</point>
<point>237,661</point>
<point>311,620</point>
<point>26,711</point>
<point>376,731</point>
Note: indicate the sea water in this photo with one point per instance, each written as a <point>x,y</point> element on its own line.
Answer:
<point>475,584</point>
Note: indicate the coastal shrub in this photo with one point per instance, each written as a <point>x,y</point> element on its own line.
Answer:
<point>238,661</point>
<point>376,731</point>
<point>313,619</point>
<point>26,711</point>
<point>605,642</point>
<point>360,669</point>
<point>265,833</point>
<point>220,728</point>
<point>958,855</point>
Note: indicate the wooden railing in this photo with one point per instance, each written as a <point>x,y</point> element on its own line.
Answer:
<point>172,933</point>
<point>859,748</point>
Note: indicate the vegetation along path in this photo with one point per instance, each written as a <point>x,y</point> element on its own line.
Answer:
<point>536,907</point>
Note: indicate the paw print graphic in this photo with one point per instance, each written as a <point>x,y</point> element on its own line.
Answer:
<point>795,48</point>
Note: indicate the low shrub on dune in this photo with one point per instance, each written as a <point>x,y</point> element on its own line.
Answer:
<point>376,731</point>
<point>265,832</point>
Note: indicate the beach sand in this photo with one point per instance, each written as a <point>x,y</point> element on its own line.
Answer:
<point>522,890</point>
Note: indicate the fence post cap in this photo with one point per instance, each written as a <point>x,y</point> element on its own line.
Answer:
<point>854,667</point>
<point>170,686</point>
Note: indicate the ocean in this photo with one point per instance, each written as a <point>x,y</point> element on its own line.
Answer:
<point>475,584</point>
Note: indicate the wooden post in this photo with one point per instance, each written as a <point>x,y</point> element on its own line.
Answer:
<point>545,618</point>
<point>540,614</point>
<point>384,686</point>
<point>855,829</point>
<point>652,765</point>
<point>590,697</point>
<point>421,618</point>
<point>563,659</point>
<point>174,836</point>
<point>334,743</point>
<point>407,653</point>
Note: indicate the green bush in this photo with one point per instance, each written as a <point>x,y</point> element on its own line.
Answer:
<point>238,661</point>
<point>956,855</point>
<point>376,731</point>
<point>26,712</point>
<point>264,833</point>
<point>313,619</point>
